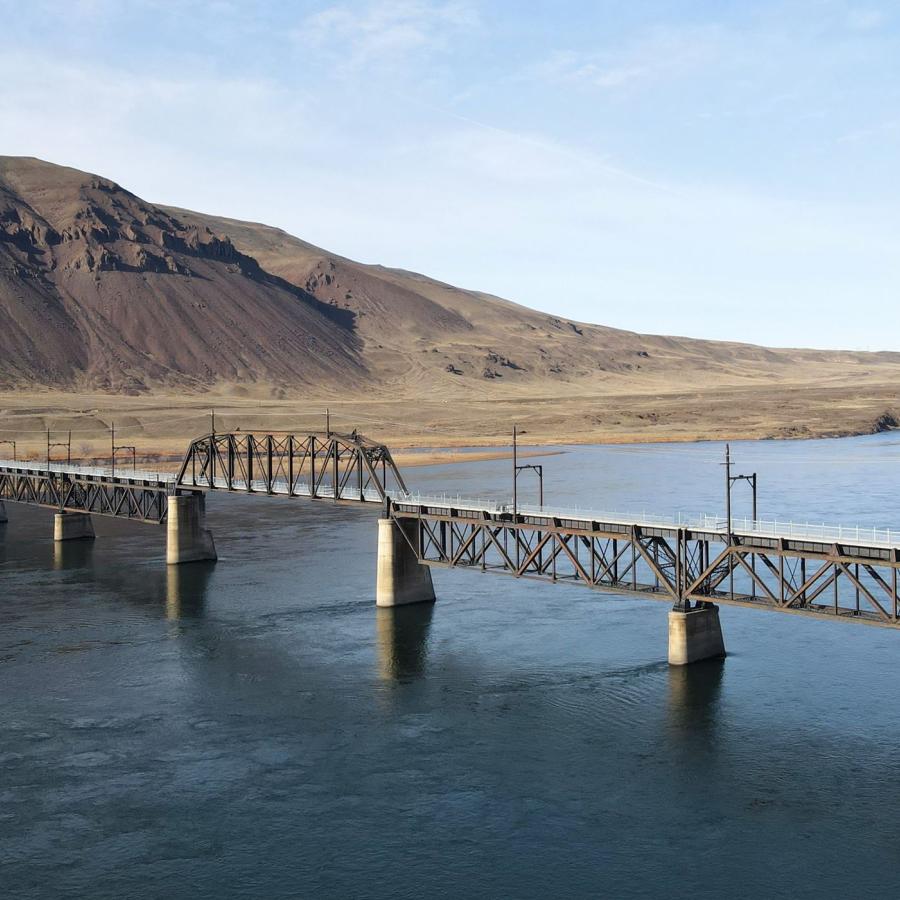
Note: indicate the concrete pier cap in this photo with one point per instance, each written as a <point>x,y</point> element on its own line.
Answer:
<point>695,634</point>
<point>72,526</point>
<point>187,537</point>
<point>400,577</point>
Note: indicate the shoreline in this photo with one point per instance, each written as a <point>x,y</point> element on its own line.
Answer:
<point>631,440</point>
<point>408,460</point>
<point>423,456</point>
<point>467,446</point>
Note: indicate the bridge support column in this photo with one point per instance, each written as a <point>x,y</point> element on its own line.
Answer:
<point>695,634</point>
<point>187,537</point>
<point>2,513</point>
<point>72,526</point>
<point>401,578</point>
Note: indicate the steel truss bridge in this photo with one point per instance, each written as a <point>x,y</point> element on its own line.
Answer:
<point>343,468</point>
<point>65,488</point>
<point>686,564</point>
<point>813,571</point>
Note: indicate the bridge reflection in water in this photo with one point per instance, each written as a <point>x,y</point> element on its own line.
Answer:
<point>694,694</point>
<point>186,588</point>
<point>72,555</point>
<point>402,638</point>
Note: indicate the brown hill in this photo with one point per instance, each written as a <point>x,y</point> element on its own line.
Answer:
<point>424,335</point>
<point>99,289</point>
<point>102,291</point>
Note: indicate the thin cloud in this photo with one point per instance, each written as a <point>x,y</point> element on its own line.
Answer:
<point>385,31</point>
<point>889,127</point>
<point>556,150</point>
<point>866,19</point>
<point>661,54</point>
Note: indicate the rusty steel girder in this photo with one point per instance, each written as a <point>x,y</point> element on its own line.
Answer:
<point>340,467</point>
<point>674,564</point>
<point>126,498</point>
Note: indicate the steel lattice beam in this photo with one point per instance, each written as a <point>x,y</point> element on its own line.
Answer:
<point>125,498</point>
<point>686,568</point>
<point>339,467</point>
<point>802,575</point>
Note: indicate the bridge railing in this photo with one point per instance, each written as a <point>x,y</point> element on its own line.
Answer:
<point>822,533</point>
<point>61,468</point>
<point>840,534</point>
<point>374,491</point>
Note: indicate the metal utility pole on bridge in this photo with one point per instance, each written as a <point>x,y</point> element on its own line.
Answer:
<point>515,498</point>
<point>50,446</point>
<point>67,444</point>
<point>538,469</point>
<point>730,481</point>
<point>116,448</point>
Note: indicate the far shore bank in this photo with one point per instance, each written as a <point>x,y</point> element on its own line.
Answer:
<point>428,432</point>
<point>407,457</point>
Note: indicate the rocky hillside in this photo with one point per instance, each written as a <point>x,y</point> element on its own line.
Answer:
<point>100,289</point>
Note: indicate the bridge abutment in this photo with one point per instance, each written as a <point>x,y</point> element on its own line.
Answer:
<point>187,537</point>
<point>695,634</point>
<point>72,526</point>
<point>401,578</point>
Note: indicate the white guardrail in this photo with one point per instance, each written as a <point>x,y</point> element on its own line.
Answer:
<point>123,471</point>
<point>824,533</point>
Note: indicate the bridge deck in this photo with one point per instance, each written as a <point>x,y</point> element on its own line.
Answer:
<point>816,569</point>
<point>123,475</point>
<point>708,525</point>
<point>437,504</point>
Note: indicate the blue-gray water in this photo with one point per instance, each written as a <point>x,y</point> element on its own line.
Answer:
<point>257,728</point>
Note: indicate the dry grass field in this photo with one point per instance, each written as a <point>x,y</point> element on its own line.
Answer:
<point>160,425</point>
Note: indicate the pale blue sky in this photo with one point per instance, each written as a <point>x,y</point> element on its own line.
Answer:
<point>717,169</point>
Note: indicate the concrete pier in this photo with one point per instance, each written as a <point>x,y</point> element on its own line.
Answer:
<point>72,526</point>
<point>401,578</point>
<point>695,634</point>
<point>2,513</point>
<point>187,537</point>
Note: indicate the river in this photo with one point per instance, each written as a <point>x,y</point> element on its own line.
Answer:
<point>257,728</point>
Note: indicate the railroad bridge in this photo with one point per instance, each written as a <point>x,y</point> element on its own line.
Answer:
<point>695,565</point>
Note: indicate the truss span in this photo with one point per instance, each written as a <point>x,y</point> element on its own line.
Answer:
<point>823,571</point>
<point>684,566</point>
<point>139,495</point>
<point>345,468</point>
